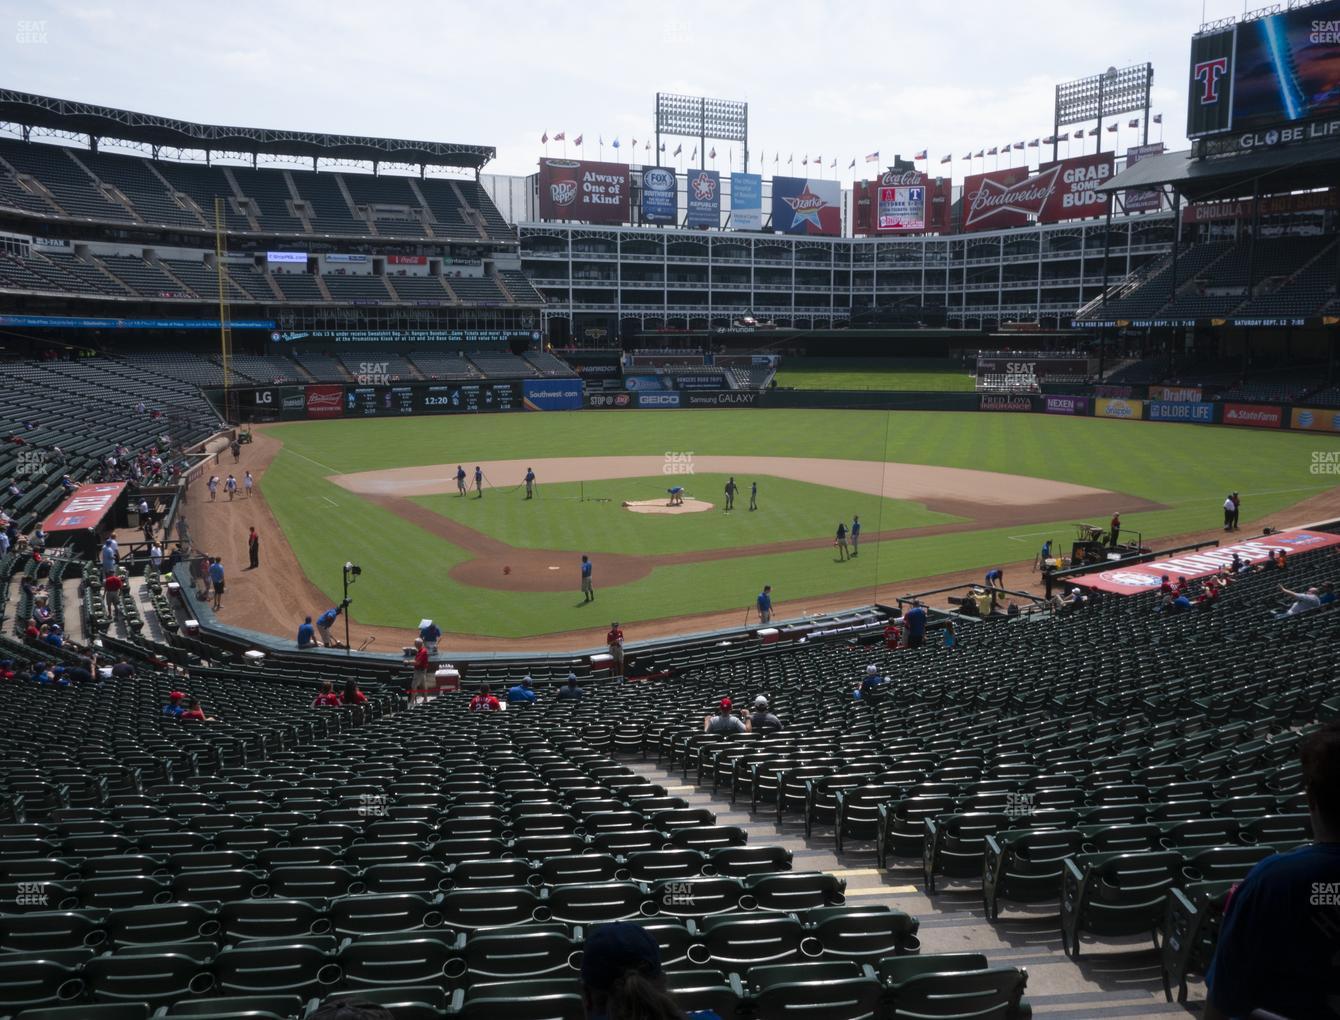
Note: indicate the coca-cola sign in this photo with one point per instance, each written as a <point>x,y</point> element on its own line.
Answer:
<point>894,178</point>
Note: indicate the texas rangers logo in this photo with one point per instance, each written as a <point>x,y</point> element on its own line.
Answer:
<point>1208,73</point>
<point>704,187</point>
<point>807,206</point>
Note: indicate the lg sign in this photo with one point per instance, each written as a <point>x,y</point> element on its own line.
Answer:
<point>1208,73</point>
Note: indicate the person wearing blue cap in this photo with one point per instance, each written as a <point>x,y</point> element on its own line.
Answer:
<point>622,977</point>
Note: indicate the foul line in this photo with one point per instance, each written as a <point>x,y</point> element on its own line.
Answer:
<point>310,460</point>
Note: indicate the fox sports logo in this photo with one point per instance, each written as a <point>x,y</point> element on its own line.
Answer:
<point>658,179</point>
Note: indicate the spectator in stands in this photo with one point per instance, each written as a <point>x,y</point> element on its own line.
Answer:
<point>37,541</point>
<point>622,978</point>
<point>327,698</point>
<point>1165,587</point>
<point>32,632</point>
<point>423,672</point>
<point>892,635</point>
<point>1114,529</point>
<point>108,556</point>
<point>1239,565</point>
<point>914,620</point>
<point>174,707</point>
<point>1279,939</point>
<point>431,634</point>
<point>194,713</point>
<point>174,557</point>
<point>570,691</point>
<point>216,578</point>
<point>352,695</point>
<point>323,624</point>
<point>523,692</point>
<point>614,641</point>
<point>1327,593</point>
<point>951,635</point>
<point>306,634</point>
<point>156,556</point>
<point>111,591</point>
<point>202,576</point>
<point>4,543</point>
<point>253,548</point>
<point>122,670</point>
<point>723,721</point>
<point>485,700</point>
<point>762,720</point>
<point>42,611</point>
<point>1303,601</point>
<point>51,635</point>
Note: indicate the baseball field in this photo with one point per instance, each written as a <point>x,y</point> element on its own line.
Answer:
<point>936,493</point>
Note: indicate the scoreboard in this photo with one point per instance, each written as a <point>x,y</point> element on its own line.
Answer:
<point>378,401</point>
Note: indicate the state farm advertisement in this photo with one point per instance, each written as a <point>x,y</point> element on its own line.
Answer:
<point>578,189</point>
<point>1265,416</point>
<point>1065,190</point>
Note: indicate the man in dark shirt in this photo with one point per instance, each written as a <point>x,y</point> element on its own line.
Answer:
<point>762,719</point>
<point>570,691</point>
<point>306,634</point>
<point>1280,939</point>
<point>914,621</point>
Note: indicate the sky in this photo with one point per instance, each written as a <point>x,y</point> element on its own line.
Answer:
<point>837,80</point>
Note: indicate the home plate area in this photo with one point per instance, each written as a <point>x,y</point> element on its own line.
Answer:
<point>688,505</point>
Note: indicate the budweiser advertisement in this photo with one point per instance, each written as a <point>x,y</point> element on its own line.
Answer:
<point>578,189</point>
<point>1065,190</point>
<point>1148,576</point>
<point>325,401</point>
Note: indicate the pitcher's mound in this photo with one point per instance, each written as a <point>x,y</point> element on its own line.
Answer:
<point>659,506</point>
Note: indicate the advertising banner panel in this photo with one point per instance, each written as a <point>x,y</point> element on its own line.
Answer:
<point>1210,86</point>
<point>1067,405</point>
<point>722,398</point>
<point>1142,201</point>
<point>1163,410</point>
<point>606,399</point>
<point>658,400</point>
<point>1109,407</point>
<point>1285,67</point>
<point>660,195</point>
<point>806,205</point>
<point>1203,562</point>
<point>325,401</point>
<point>1073,185</point>
<point>746,201</point>
<point>1176,394</point>
<point>704,199</point>
<point>1258,415</point>
<point>998,198</point>
<point>578,189</point>
<point>552,394</point>
<point>995,402</point>
<point>1315,419</point>
<point>85,508</point>
<point>900,202</point>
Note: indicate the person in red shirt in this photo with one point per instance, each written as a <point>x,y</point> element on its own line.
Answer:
<point>194,713</point>
<point>485,701</point>
<point>1166,587</point>
<point>423,673</point>
<point>352,695</point>
<point>111,590</point>
<point>327,698</point>
<point>614,639</point>
<point>32,632</point>
<point>892,635</point>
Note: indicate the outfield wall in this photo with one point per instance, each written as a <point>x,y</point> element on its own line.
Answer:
<point>322,401</point>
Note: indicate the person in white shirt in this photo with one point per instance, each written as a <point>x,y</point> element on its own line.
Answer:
<point>247,483</point>
<point>1303,600</point>
<point>1229,507</point>
<point>156,556</point>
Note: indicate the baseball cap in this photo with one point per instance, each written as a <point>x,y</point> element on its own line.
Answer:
<point>725,704</point>
<point>175,695</point>
<point>871,669</point>
<point>614,949</point>
<point>760,702</point>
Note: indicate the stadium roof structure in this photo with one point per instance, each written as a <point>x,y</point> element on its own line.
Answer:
<point>63,115</point>
<point>1271,171</point>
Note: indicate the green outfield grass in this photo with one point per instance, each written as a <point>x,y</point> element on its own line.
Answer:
<point>559,518</point>
<point>938,374</point>
<point>1188,468</point>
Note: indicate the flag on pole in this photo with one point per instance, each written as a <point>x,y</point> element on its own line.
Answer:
<point>1113,126</point>
<point>853,164</point>
<point>1034,143</point>
<point>694,154</point>
<point>615,143</point>
<point>544,138</point>
<point>833,165</point>
<point>1158,118</point>
<point>663,147</point>
<point>577,140</point>
<point>1049,140</point>
<point>979,154</point>
<point>678,148</point>
<point>805,160</point>
<point>920,155</point>
<point>713,153</point>
<point>562,136</point>
<point>945,159</point>
<point>791,159</point>
<point>1018,145</point>
<point>1133,122</point>
<point>600,139</point>
<point>776,158</point>
<point>818,161</point>
<point>992,151</point>
<point>872,157</point>
<point>967,155</point>
<point>1063,137</point>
